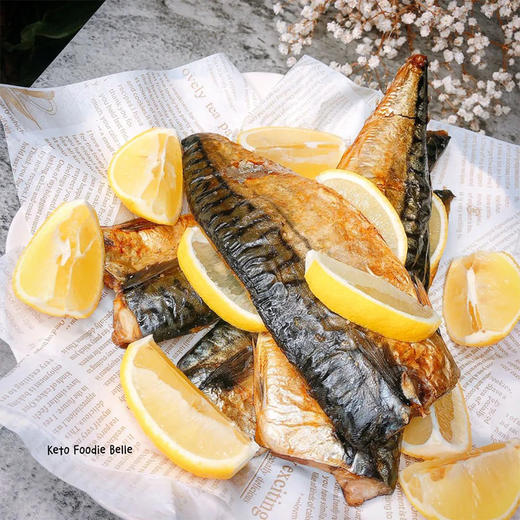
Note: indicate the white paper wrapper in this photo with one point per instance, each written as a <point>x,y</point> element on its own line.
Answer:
<point>65,389</point>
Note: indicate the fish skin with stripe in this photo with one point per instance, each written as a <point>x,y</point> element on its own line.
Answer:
<point>152,293</point>
<point>293,426</point>
<point>390,150</point>
<point>221,365</point>
<point>158,300</point>
<point>263,220</point>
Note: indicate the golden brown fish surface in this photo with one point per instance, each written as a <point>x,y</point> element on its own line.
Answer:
<point>138,243</point>
<point>391,151</point>
<point>291,423</point>
<point>263,220</point>
<point>313,216</point>
<point>152,293</point>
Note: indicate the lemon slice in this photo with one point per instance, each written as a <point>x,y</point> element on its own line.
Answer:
<point>215,282</point>
<point>446,431</point>
<point>306,152</point>
<point>367,300</point>
<point>178,418</point>
<point>60,272</point>
<point>368,199</point>
<point>146,174</point>
<point>481,485</point>
<point>438,227</point>
<point>481,303</point>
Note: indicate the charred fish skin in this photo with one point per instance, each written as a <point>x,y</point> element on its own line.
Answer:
<point>291,424</point>
<point>436,143</point>
<point>337,360</point>
<point>223,343</point>
<point>447,197</point>
<point>163,303</point>
<point>390,150</point>
<point>221,366</point>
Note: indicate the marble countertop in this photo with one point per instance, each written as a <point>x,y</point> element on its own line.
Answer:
<point>127,35</point>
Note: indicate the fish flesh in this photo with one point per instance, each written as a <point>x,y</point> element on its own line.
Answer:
<point>158,300</point>
<point>221,366</point>
<point>390,151</point>
<point>138,243</point>
<point>152,294</point>
<point>263,219</point>
<point>436,143</point>
<point>292,425</point>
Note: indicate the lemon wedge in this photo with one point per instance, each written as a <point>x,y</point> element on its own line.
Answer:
<point>367,300</point>
<point>306,152</point>
<point>481,303</point>
<point>481,485</point>
<point>370,201</point>
<point>178,418</point>
<point>438,227</point>
<point>60,272</point>
<point>146,175</point>
<point>446,431</point>
<point>215,282</point>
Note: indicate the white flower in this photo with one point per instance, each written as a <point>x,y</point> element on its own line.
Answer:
<point>307,12</point>
<point>445,20</point>
<point>281,26</point>
<point>356,32</point>
<point>296,48</point>
<point>346,69</point>
<point>459,57</point>
<point>363,49</point>
<point>408,18</point>
<point>458,46</point>
<point>373,62</point>
<point>478,110</point>
<point>459,27</point>
<point>384,25</point>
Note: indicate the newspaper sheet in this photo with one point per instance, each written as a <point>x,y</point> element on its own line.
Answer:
<point>65,390</point>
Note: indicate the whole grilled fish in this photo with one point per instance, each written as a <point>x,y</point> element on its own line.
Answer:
<point>221,365</point>
<point>390,150</point>
<point>158,300</point>
<point>291,424</point>
<point>138,243</point>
